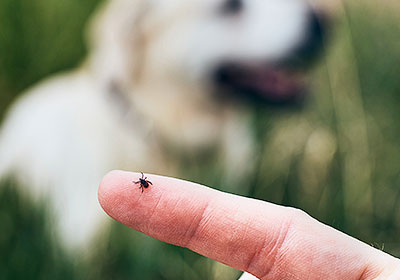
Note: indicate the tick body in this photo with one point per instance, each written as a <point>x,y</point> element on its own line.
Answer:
<point>144,183</point>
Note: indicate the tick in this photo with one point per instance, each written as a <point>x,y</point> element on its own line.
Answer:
<point>144,183</point>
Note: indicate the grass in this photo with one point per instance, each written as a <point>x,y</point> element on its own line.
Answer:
<point>338,158</point>
<point>27,246</point>
<point>37,38</point>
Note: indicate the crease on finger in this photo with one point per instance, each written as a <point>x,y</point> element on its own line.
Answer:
<point>258,264</point>
<point>192,232</point>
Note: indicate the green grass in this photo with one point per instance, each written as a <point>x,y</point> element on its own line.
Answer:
<point>37,38</point>
<point>338,158</point>
<point>28,248</point>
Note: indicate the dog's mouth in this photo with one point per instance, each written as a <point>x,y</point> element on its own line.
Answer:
<point>280,83</point>
<point>277,85</point>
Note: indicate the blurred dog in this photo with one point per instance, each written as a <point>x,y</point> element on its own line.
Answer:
<point>161,75</point>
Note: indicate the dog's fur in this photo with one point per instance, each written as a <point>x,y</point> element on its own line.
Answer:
<point>144,88</point>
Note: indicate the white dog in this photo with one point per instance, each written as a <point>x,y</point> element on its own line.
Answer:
<point>162,75</point>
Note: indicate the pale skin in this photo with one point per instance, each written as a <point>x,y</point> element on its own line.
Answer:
<point>263,239</point>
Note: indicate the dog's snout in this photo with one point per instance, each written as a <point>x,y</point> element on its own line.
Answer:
<point>316,30</point>
<point>313,40</point>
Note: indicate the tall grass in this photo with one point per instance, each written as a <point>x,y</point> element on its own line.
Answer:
<point>37,38</point>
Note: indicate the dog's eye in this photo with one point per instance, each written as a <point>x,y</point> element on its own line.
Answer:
<point>232,7</point>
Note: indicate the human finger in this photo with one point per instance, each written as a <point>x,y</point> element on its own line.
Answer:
<point>266,240</point>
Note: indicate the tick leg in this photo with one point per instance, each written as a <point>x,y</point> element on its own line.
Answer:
<point>142,174</point>
<point>136,182</point>
<point>150,182</point>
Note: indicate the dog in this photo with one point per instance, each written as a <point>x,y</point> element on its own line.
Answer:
<point>161,76</point>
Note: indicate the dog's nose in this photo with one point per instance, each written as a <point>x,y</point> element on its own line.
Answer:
<point>313,40</point>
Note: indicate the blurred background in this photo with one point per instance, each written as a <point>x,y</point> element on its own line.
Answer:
<point>337,158</point>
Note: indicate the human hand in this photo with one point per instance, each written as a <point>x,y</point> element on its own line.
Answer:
<point>263,239</point>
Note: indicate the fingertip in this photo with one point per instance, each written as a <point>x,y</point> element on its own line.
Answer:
<point>108,184</point>
<point>112,188</point>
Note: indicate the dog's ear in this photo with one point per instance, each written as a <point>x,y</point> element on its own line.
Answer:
<point>115,39</point>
